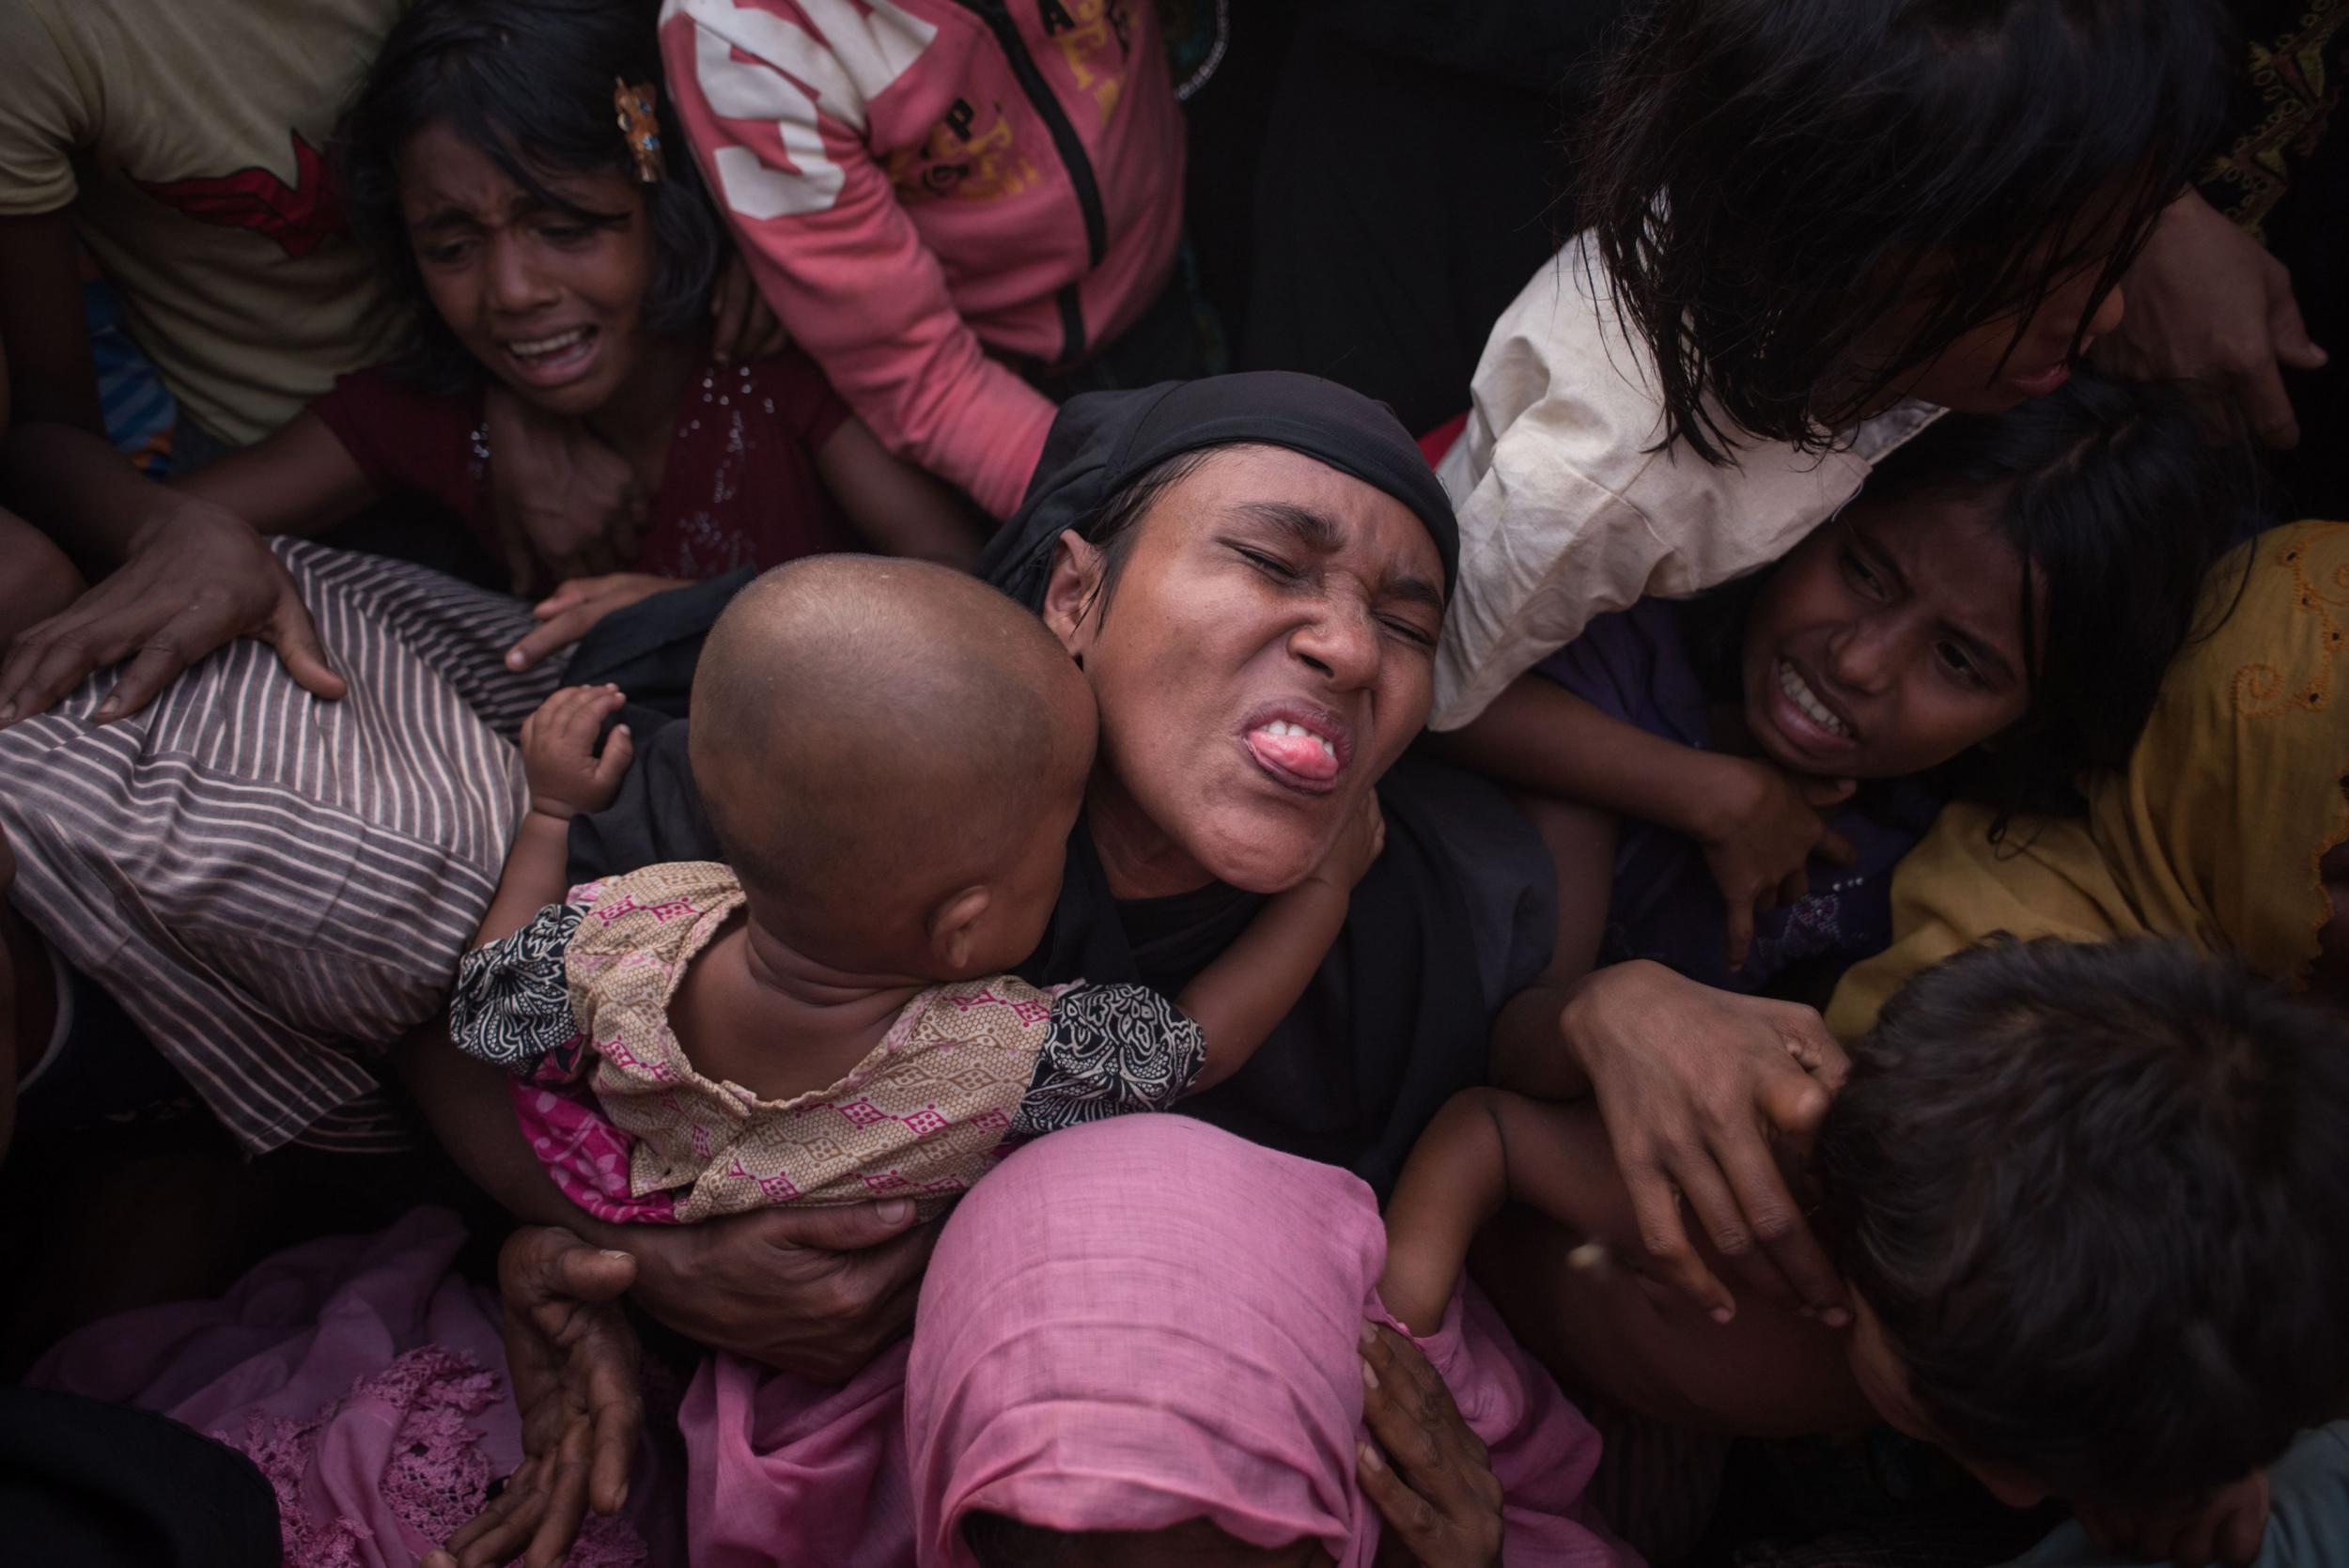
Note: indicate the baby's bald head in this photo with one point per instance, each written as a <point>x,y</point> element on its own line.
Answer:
<point>868,729</point>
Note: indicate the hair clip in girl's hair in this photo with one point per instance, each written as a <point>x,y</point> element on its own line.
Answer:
<point>640,126</point>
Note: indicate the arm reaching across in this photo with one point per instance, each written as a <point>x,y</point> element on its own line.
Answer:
<point>1242,997</point>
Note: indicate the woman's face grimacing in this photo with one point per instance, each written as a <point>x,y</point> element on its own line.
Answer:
<point>1887,642</point>
<point>550,304</point>
<point>1263,657</point>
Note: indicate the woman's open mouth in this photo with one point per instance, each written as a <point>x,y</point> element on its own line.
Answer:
<point>555,359</point>
<point>1302,748</point>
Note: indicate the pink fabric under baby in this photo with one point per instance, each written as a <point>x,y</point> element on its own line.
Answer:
<point>1125,1326</point>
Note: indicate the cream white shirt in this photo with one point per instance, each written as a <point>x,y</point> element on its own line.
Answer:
<point>1569,509</point>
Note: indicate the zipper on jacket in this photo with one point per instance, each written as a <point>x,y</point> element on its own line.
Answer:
<point>1072,152</point>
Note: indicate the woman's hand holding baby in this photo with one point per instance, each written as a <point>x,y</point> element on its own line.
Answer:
<point>1760,828</point>
<point>812,1291</point>
<point>567,776</point>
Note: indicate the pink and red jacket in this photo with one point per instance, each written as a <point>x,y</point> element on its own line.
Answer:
<point>925,188</point>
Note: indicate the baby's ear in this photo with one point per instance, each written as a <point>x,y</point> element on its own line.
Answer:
<point>953,927</point>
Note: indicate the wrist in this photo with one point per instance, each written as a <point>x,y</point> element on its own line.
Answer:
<point>1707,798</point>
<point>548,817</point>
<point>1587,1005</point>
<point>171,512</point>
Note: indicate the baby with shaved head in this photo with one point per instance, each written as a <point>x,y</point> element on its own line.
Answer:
<point>893,755</point>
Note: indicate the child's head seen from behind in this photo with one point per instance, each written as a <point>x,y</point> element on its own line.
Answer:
<point>893,755</point>
<point>484,165</point>
<point>1808,209</point>
<point>2019,581</point>
<point>2087,1198</point>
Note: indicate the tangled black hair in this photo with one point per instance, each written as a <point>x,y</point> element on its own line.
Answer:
<point>530,84</point>
<point>2092,1193</point>
<point>1768,180</point>
<point>2118,508</point>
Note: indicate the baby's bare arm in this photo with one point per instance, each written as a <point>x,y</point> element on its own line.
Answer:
<point>1240,998</point>
<point>1485,1148</point>
<point>1243,996</point>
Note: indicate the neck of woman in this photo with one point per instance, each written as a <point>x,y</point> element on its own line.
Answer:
<point>1137,857</point>
<point>641,419</point>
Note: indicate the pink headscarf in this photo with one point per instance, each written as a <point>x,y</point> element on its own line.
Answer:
<point>1125,1326</point>
<point>1140,1322</point>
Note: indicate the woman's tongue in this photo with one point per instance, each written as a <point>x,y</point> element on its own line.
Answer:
<point>1295,749</point>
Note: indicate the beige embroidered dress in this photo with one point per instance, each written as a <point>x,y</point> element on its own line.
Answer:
<point>578,999</point>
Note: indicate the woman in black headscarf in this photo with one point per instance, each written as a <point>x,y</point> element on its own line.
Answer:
<point>1220,557</point>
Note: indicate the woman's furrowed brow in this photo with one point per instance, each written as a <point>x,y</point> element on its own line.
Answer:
<point>1324,535</point>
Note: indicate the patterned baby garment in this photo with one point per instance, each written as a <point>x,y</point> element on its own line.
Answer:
<point>580,997</point>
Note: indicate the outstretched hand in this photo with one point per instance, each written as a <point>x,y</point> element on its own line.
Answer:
<point>194,579</point>
<point>2206,304</point>
<point>573,1359</point>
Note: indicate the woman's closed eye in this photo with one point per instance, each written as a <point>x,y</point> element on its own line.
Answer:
<point>446,253</point>
<point>1418,636</point>
<point>1271,565</point>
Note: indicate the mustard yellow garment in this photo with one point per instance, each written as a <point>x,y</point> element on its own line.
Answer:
<point>2212,832</point>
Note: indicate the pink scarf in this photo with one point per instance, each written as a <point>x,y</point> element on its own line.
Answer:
<point>1125,1326</point>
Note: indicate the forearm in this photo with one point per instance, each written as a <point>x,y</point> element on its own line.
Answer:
<point>1241,997</point>
<point>466,1104</point>
<point>79,492</point>
<point>1456,1178</point>
<point>534,877</point>
<point>1540,736</point>
<point>1528,1048</point>
<point>898,509</point>
<point>1486,1148</point>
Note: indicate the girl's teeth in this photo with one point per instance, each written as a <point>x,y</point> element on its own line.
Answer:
<point>540,346</point>
<point>1799,692</point>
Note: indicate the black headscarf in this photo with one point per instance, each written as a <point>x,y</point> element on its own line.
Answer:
<point>1104,441</point>
<point>1455,916</point>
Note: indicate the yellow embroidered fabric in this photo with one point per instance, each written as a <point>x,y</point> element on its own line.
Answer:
<point>2212,832</point>
<point>921,1116</point>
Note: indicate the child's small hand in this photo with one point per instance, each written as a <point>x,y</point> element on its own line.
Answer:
<point>2225,1526</point>
<point>1358,843</point>
<point>559,759</point>
<point>1766,827</point>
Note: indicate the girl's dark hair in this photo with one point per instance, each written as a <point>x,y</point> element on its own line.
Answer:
<point>2119,507</point>
<point>1767,179</point>
<point>529,83</point>
<point>2091,1192</point>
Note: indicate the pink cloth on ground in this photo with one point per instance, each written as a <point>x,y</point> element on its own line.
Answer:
<point>363,1378</point>
<point>1124,1325</point>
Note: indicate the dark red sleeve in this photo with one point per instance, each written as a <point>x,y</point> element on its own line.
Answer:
<point>804,401</point>
<point>404,439</point>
